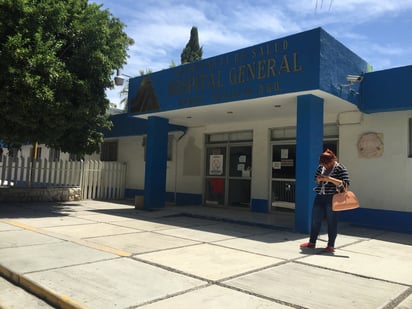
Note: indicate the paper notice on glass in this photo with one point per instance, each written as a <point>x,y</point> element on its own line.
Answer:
<point>246,173</point>
<point>242,159</point>
<point>276,165</point>
<point>216,165</point>
<point>284,153</point>
<point>287,163</point>
<point>240,167</point>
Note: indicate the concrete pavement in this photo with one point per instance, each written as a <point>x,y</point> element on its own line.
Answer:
<point>93,254</point>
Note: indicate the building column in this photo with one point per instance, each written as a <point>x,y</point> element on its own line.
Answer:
<point>156,163</point>
<point>309,143</point>
<point>260,173</point>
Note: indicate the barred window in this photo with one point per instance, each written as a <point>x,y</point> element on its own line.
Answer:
<point>109,151</point>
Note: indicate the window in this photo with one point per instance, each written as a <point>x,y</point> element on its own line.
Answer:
<point>109,151</point>
<point>242,136</point>
<point>289,133</point>
<point>54,154</point>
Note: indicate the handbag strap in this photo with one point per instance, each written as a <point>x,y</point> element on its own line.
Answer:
<point>322,172</point>
<point>344,185</point>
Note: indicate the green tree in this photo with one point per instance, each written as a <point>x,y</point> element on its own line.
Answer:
<point>145,72</point>
<point>192,52</point>
<point>56,61</point>
<point>124,96</point>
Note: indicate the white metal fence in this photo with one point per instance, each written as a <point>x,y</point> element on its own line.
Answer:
<point>97,179</point>
<point>103,180</point>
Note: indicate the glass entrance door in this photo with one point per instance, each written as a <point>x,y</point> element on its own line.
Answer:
<point>240,169</point>
<point>215,190</point>
<point>284,173</point>
<point>228,177</point>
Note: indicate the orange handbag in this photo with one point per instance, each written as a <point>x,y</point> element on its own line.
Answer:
<point>345,200</point>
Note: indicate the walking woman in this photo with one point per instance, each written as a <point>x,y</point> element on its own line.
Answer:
<point>331,177</point>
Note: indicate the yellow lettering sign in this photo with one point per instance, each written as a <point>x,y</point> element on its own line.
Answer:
<point>296,67</point>
<point>284,66</point>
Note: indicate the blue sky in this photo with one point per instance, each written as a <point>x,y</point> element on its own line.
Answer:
<point>379,31</point>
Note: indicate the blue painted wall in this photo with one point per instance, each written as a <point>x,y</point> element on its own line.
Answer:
<point>336,63</point>
<point>397,221</point>
<point>387,90</point>
<point>259,205</point>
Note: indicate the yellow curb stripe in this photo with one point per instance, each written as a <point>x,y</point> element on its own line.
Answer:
<point>59,301</point>
<point>22,225</point>
<point>68,238</point>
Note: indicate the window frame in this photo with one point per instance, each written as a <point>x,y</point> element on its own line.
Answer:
<point>109,151</point>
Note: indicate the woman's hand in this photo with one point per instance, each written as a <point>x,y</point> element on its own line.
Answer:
<point>326,178</point>
<point>321,178</point>
<point>335,181</point>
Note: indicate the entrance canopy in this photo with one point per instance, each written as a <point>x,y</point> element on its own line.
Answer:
<point>254,83</point>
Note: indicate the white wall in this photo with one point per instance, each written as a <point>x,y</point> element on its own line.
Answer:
<point>189,161</point>
<point>261,167</point>
<point>380,183</point>
<point>131,151</point>
<point>383,182</point>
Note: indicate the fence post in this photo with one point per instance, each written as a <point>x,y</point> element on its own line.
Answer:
<point>84,179</point>
<point>23,166</point>
<point>9,168</point>
<point>44,173</point>
<point>39,170</point>
<point>32,174</point>
<point>3,169</point>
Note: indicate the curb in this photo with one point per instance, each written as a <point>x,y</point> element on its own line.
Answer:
<point>51,297</point>
<point>236,221</point>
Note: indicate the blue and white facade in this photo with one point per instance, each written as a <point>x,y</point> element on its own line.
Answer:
<point>245,129</point>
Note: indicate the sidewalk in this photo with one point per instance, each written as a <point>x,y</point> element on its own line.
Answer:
<point>93,254</point>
